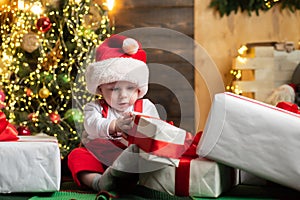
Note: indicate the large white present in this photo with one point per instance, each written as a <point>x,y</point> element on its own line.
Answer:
<point>197,177</point>
<point>253,136</point>
<point>31,164</point>
<point>159,140</point>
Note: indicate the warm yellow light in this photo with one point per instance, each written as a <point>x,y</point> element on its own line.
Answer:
<point>21,4</point>
<point>238,74</point>
<point>110,4</point>
<point>37,9</point>
<point>243,50</point>
<point>242,59</point>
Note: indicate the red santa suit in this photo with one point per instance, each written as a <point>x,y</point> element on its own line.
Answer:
<point>100,149</point>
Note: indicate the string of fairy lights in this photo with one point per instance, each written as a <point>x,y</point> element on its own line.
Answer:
<point>236,74</point>
<point>45,47</point>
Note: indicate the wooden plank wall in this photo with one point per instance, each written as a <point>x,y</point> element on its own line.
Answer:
<point>177,15</point>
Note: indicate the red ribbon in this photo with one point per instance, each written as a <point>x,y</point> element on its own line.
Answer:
<point>7,131</point>
<point>185,152</point>
<point>156,147</point>
<point>182,172</point>
<point>288,106</point>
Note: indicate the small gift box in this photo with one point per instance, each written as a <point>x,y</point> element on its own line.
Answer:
<point>197,177</point>
<point>255,137</point>
<point>158,140</point>
<point>31,164</point>
<point>194,176</point>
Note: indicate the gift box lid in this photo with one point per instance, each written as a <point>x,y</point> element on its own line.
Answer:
<point>37,138</point>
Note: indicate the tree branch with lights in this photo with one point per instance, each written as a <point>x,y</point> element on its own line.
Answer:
<point>226,7</point>
<point>45,47</point>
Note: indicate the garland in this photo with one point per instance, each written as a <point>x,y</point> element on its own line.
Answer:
<point>225,7</point>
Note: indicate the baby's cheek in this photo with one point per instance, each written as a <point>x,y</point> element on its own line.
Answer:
<point>131,101</point>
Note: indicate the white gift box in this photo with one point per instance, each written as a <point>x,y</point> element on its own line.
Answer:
<point>253,136</point>
<point>131,161</point>
<point>158,140</point>
<point>205,178</point>
<point>31,164</point>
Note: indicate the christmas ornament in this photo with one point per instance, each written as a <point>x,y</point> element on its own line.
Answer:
<point>23,130</point>
<point>63,80</point>
<point>30,42</point>
<point>44,93</point>
<point>93,19</point>
<point>73,115</point>
<point>33,117</point>
<point>46,77</point>
<point>54,117</point>
<point>43,24</point>
<point>53,57</point>
<point>28,92</point>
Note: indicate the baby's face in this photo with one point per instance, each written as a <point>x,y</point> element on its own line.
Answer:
<point>120,95</point>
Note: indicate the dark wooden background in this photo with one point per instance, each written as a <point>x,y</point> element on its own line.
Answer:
<point>177,103</point>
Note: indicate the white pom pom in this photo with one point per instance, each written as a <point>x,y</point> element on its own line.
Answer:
<point>130,46</point>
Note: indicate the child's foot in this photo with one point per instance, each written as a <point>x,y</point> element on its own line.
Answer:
<point>114,180</point>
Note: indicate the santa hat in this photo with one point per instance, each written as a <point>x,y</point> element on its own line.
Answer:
<point>118,58</point>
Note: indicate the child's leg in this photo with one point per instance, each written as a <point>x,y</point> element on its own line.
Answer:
<point>90,179</point>
<point>84,166</point>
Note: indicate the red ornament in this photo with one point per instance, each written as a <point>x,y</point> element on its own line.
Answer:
<point>29,92</point>
<point>43,24</point>
<point>54,117</point>
<point>2,99</point>
<point>23,130</point>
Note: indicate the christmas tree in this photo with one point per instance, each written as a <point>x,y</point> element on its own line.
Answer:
<point>45,48</point>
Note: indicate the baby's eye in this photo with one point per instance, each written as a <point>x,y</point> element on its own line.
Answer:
<point>131,88</point>
<point>115,89</point>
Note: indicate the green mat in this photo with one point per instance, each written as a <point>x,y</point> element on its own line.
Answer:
<point>241,192</point>
<point>66,196</point>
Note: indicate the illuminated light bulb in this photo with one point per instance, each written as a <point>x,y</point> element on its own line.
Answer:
<point>21,4</point>
<point>242,50</point>
<point>37,9</point>
<point>110,4</point>
<point>241,59</point>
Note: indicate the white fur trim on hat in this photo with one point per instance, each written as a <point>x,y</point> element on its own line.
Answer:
<point>117,69</point>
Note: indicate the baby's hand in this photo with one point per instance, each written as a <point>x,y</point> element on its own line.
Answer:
<point>124,123</point>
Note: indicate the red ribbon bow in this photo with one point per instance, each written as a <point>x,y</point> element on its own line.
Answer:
<point>7,131</point>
